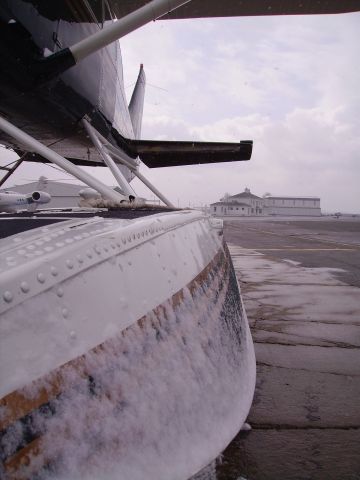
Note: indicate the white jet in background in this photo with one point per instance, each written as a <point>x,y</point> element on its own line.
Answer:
<point>11,201</point>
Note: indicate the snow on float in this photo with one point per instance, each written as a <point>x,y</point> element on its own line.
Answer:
<point>124,348</point>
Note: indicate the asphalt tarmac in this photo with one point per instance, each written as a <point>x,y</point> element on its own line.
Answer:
<point>323,242</point>
<point>300,282</point>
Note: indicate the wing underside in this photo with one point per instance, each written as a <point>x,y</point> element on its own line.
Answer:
<point>98,11</point>
<point>236,8</point>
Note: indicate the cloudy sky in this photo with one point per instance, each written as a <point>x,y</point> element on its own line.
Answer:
<point>290,83</point>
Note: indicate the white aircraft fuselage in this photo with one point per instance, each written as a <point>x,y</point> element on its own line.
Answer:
<point>13,201</point>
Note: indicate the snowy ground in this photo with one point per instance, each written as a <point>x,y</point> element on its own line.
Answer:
<point>304,312</point>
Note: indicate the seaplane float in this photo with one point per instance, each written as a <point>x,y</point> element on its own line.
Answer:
<point>125,350</point>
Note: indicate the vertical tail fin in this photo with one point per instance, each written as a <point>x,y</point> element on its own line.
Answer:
<point>42,184</point>
<point>136,105</point>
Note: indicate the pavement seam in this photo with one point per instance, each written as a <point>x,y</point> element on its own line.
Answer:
<point>264,364</point>
<point>334,345</point>
<point>269,426</point>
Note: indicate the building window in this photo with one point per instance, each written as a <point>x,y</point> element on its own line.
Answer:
<point>242,208</point>
<point>214,209</point>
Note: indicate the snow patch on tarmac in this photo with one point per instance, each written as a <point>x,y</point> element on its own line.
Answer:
<point>294,305</point>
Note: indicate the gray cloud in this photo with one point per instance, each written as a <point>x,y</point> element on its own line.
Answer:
<point>289,83</point>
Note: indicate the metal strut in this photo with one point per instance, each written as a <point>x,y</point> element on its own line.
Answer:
<point>94,137</point>
<point>33,145</point>
<point>111,152</point>
<point>107,151</point>
<point>121,157</point>
<point>11,170</point>
<point>66,58</point>
<point>134,20</point>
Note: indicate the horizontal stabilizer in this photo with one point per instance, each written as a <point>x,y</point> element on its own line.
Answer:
<point>157,154</point>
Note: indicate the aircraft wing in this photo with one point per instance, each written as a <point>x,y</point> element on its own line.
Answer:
<point>93,11</point>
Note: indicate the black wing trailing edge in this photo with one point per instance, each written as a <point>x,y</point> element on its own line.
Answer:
<point>157,154</point>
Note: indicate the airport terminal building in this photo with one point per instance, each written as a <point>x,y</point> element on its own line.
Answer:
<point>248,204</point>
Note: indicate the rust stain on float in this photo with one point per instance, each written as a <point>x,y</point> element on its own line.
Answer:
<point>24,405</point>
<point>14,466</point>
